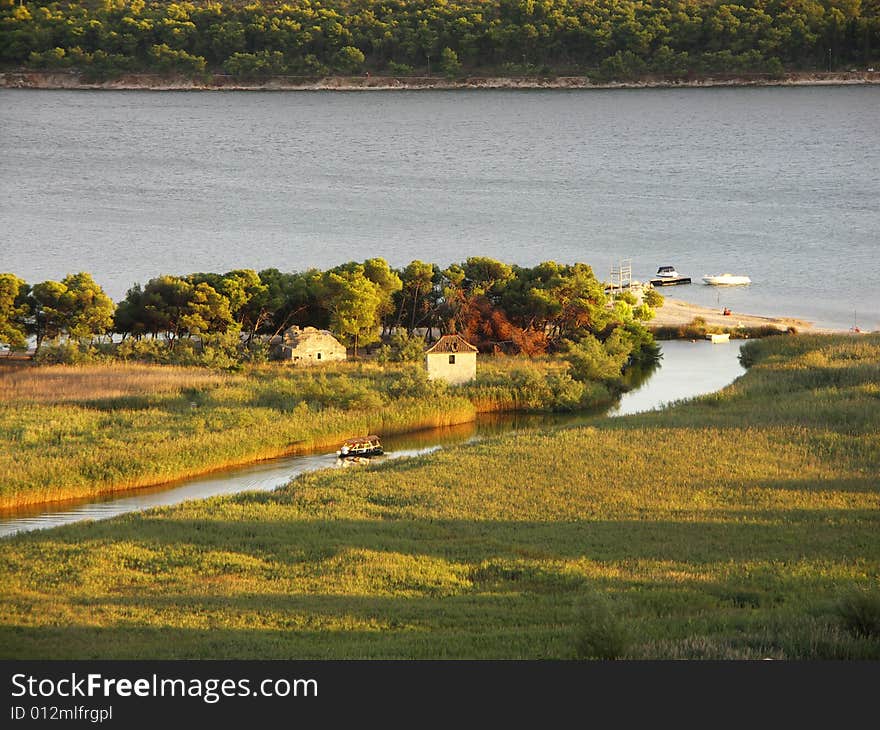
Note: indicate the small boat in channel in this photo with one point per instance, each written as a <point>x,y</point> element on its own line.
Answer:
<point>361,446</point>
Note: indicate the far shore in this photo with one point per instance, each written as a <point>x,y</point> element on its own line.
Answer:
<point>28,79</point>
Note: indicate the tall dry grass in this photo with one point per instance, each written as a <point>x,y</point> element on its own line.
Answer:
<point>66,383</point>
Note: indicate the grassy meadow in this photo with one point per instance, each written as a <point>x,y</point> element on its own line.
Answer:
<point>73,431</point>
<point>742,525</point>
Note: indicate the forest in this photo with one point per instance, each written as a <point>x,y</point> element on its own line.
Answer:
<point>227,319</point>
<point>605,39</point>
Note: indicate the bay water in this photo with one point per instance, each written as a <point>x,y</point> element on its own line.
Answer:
<point>780,184</point>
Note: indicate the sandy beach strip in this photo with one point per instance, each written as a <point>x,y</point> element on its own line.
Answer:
<point>676,313</point>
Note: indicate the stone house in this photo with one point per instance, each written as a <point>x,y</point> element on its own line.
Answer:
<point>453,359</point>
<point>307,346</point>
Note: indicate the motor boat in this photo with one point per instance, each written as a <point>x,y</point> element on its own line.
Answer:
<point>726,280</point>
<point>667,272</point>
<point>668,276</point>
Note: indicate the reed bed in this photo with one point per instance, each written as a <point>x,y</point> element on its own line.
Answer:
<point>67,383</point>
<point>81,431</point>
<point>742,525</point>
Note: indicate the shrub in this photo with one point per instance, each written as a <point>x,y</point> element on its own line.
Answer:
<point>653,298</point>
<point>250,65</point>
<point>169,59</point>
<point>410,382</point>
<point>590,360</point>
<point>68,352</point>
<point>599,634</point>
<point>149,351</point>
<point>400,69</point>
<point>859,611</point>
<point>643,313</point>
<point>402,347</point>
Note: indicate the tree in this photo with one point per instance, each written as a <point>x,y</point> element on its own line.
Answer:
<point>88,311</point>
<point>295,298</point>
<point>353,301</point>
<point>349,59</point>
<point>130,317</point>
<point>169,59</point>
<point>47,316</point>
<point>417,281</point>
<point>449,63</point>
<point>247,297</point>
<point>388,283</point>
<point>207,312</point>
<point>486,276</point>
<point>166,301</point>
<point>13,311</point>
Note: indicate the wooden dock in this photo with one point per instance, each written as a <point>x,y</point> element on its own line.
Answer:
<point>671,282</point>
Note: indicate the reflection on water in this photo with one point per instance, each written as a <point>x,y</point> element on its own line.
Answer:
<point>686,370</point>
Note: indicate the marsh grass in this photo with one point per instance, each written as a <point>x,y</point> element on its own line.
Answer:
<point>71,383</point>
<point>80,431</point>
<point>698,329</point>
<point>859,611</point>
<point>731,527</point>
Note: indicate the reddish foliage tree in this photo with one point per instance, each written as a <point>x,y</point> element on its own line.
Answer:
<point>489,329</point>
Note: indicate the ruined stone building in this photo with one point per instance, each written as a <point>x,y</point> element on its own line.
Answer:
<point>307,346</point>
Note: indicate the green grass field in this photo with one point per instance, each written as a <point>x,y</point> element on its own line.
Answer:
<point>79,431</point>
<point>743,525</point>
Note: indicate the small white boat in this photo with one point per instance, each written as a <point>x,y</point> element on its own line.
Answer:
<point>716,338</point>
<point>726,280</point>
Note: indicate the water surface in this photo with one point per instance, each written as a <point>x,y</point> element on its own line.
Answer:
<point>781,184</point>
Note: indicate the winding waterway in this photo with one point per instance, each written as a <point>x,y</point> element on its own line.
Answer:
<point>686,370</point>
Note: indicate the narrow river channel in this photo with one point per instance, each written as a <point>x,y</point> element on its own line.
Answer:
<point>687,369</point>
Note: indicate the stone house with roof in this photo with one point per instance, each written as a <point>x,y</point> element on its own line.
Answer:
<point>307,346</point>
<point>453,359</point>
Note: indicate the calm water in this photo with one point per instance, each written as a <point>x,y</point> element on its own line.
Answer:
<point>782,184</point>
<point>687,369</point>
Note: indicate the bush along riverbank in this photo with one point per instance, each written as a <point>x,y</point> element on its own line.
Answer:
<point>741,525</point>
<point>80,431</point>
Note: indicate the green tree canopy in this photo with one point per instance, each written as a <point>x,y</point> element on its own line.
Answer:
<point>13,311</point>
<point>354,303</point>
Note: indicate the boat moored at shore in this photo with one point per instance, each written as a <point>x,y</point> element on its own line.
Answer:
<point>668,276</point>
<point>667,272</point>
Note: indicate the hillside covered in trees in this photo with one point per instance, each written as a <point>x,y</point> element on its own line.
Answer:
<point>606,39</point>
